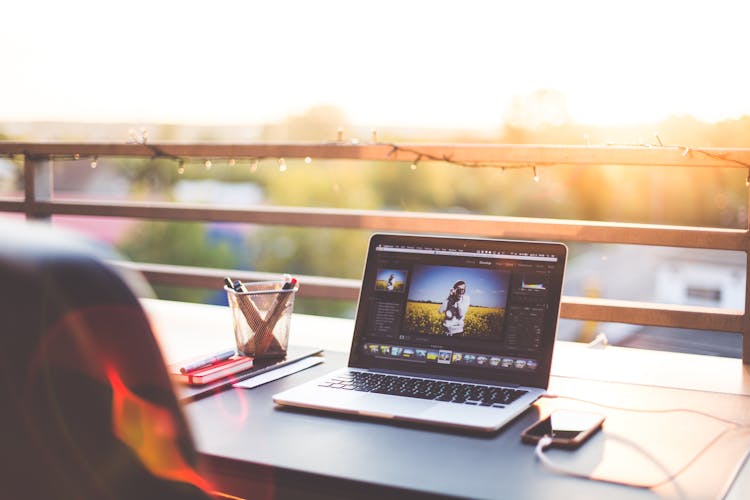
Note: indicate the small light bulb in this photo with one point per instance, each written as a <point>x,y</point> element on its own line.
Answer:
<point>414,163</point>
<point>95,162</point>
<point>308,160</point>
<point>76,156</point>
<point>231,162</point>
<point>208,164</point>
<point>181,167</point>
<point>282,165</point>
<point>536,175</point>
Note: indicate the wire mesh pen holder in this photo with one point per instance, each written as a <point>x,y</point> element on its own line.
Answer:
<point>261,317</point>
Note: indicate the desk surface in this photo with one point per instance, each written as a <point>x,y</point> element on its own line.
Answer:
<point>245,434</point>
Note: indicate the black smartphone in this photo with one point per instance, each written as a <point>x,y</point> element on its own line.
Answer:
<point>568,429</point>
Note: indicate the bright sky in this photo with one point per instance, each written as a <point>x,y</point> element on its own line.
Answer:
<point>452,64</point>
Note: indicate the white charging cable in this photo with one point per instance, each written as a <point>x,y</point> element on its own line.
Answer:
<point>646,410</point>
<point>546,441</point>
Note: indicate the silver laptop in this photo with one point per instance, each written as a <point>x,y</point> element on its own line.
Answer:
<point>449,331</point>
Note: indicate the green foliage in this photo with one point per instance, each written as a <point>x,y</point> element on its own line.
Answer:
<point>312,251</point>
<point>424,317</point>
<point>176,243</point>
<point>319,123</point>
<point>325,252</point>
<point>694,196</point>
<point>147,175</point>
<point>323,307</point>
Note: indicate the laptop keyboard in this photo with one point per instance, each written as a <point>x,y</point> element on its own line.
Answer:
<point>456,392</point>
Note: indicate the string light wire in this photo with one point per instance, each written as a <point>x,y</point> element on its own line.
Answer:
<point>416,162</point>
<point>157,152</point>
<point>421,156</point>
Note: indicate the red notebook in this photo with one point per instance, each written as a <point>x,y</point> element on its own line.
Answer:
<point>216,371</point>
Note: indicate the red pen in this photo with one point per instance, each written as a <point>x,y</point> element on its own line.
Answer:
<point>289,284</point>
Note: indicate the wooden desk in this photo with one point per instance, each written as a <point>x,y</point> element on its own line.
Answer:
<point>260,449</point>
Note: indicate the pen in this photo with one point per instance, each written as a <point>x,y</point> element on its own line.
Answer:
<point>276,310</point>
<point>200,363</point>
<point>235,285</point>
<point>288,285</point>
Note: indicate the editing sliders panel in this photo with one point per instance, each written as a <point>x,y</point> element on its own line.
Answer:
<point>526,310</point>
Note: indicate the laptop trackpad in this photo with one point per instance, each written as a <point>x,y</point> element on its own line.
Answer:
<point>385,406</point>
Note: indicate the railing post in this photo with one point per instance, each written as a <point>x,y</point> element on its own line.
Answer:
<point>746,315</point>
<point>38,185</point>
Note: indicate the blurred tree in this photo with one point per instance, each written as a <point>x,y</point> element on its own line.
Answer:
<point>712,197</point>
<point>319,123</point>
<point>148,176</point>
<point>177,243</point>
<point>313,251</point>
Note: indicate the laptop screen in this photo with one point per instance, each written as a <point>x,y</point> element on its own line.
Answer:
<point>474,309</point>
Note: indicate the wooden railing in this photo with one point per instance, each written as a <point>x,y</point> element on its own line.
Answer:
<point>38,202</point>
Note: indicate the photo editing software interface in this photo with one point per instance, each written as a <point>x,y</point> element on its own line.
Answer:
<point>461,309</point>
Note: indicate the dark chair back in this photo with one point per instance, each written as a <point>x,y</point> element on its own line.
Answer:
<point>88,410</point>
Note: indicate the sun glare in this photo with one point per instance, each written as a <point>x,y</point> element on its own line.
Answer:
<point>418,63</point>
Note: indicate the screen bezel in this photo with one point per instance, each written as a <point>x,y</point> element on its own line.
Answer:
<point>539,378</point>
